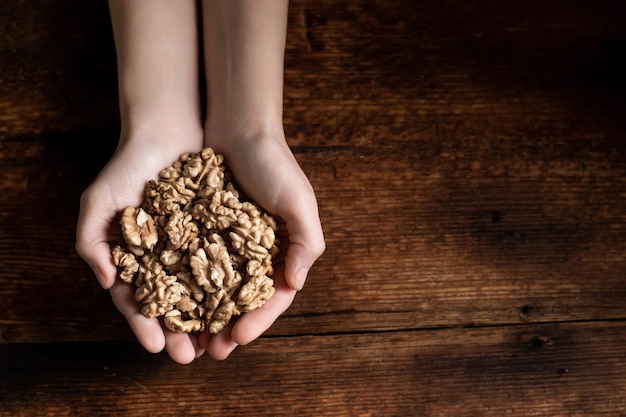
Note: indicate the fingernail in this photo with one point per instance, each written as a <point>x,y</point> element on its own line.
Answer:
<point>301,278</point>
<point>100,277</point>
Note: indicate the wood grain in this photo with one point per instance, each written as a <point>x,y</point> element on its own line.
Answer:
<point>533,370</point>
<point>470,167</point>
<point>451,201</point>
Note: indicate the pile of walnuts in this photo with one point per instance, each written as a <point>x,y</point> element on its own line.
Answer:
<point>197,254</point>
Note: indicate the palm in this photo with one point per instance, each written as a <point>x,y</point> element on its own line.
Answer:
<point>269,174</point>
<point>265,170</point>
<point>121,184</point>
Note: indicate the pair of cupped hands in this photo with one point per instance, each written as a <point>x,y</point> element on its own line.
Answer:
<point>267,172</point>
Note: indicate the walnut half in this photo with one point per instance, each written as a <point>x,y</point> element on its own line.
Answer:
<point>197,253</point>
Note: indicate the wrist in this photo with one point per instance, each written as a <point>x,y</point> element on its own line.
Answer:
<point>241,108</point>
<point>162,129</point>
<point>234,135</point>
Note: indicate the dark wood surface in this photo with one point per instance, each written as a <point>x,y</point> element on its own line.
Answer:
<point>470,165</point>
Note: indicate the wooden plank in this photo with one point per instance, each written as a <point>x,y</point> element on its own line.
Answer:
<point>528,370</point>
<point>469,164</point>
<point>390,72</point>
<point>58,67</point>
<point>416,242</point>
<point>416,67</point>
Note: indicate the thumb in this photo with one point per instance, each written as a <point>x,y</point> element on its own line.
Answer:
<point>306,241</point>
<point>92,243</point>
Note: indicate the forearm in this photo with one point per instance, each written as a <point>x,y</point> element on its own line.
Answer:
<point>157,55</point>
<point>244,43</point>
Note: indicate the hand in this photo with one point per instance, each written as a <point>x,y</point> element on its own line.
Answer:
<point>268,173</point>
<point>120,184</point>
<point>244,75</point>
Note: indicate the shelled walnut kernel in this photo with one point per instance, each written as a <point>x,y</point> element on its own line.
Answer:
<point>197,254</point>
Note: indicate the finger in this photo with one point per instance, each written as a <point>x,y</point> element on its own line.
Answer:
<point>306,241</point>
<point>148,331</point>
<point>180,347</point>
<point>199,350</point>
<point>254,323</point>
<point>219,346</point>
<point>92,242</point>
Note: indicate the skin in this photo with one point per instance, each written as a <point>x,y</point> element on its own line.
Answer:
<point>157,43</point>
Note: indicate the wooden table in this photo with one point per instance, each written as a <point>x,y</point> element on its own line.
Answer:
<point>470,164</point>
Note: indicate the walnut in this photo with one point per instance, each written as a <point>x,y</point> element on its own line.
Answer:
<point>222,316</point>
<point>159,295</point>
<point>127,262</point>
<point>180,230</point>
<point>170,257</point>
<point>248,248</point>
<point>194,290</point>
<point>138,228</point>
<point>218,212</point>
<point>166,198</point>
<point>175,322</point>
<point>256,268</point>
<point>254,293</point>
<point>213,302</point>
<point>197,252</point>
<point>213,269</point>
